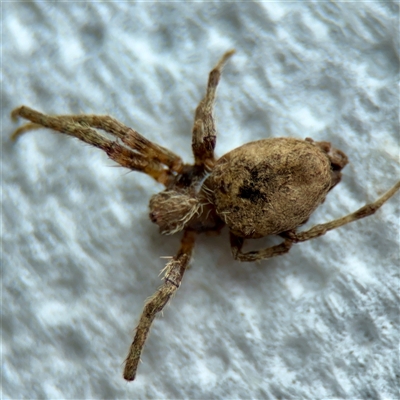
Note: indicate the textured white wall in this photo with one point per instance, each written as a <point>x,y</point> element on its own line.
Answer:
<point>80,255</point>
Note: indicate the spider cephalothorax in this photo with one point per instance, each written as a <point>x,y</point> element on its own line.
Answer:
<point>267,187</point>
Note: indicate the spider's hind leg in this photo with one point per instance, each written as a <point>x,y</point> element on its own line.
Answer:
<point>365,211</point>
<point>269,252</point>
<point>204,133</point>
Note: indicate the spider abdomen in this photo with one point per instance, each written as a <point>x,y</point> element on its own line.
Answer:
<point>269,186</point>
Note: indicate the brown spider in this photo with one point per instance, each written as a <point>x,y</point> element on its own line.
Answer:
<point>266,187</point>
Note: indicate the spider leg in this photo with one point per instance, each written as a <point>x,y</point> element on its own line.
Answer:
<point>174,271</point>
<point>321,229</point>
<point>131,138</point>
<point>204,133</point>
<point>148,157</point>
<point>277,250</point>
<point>318,230</point>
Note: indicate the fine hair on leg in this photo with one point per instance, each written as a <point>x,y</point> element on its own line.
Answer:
<point>316,231</point>
<point>140,155</point>
<point>269,252</point>
<point>321,229</point>
<point>174,271</point>
<point>204,133</point>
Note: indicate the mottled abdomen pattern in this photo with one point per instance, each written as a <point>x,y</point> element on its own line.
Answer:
<point>269,186</point>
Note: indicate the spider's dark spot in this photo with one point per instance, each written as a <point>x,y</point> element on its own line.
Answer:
<point>250,189</point>
<point>255,174</point>
<point>336,167</point>
<point>153,217</point>
<point>185,179</point>
<point>251,193</point>
<point>210,142</point>
<point>189,173</point>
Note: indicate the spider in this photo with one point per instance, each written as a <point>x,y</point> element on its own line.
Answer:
<point>267,187</point>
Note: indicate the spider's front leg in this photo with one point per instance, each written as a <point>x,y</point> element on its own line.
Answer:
<point>204,132</point>
<point>138,154</point>
<point>174,271</point>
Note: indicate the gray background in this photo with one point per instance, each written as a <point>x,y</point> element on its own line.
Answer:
<point>80,255</point>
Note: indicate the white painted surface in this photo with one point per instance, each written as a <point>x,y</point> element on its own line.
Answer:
<point>80,255</point>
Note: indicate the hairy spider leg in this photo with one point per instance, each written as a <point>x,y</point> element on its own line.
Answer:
<point>269,252</point>
<point>365,211</point>
<point>204,134</point>
<point>174,271</point>
<point>131,138</point>
<point>316,231</point>
<point>148,157</point>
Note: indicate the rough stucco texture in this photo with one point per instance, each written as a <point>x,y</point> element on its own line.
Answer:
<point>80,255</point>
